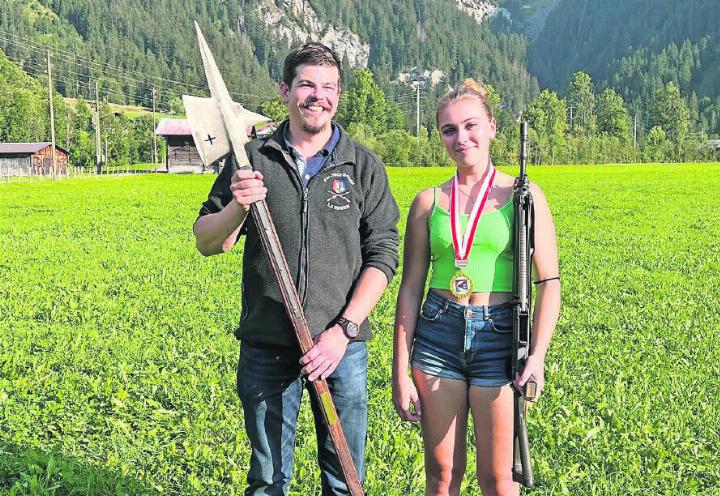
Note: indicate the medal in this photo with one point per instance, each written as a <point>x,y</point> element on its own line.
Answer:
<point>461,284</point>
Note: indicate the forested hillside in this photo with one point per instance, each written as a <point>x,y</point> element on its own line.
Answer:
<point>24,117</point>
<point>636,47</point>
<point>131,46</point>
<point>436,35</point>
<point>23,106</point>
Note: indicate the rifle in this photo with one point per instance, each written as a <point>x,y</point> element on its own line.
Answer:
<point>227,120</point>
<point>522,315</point>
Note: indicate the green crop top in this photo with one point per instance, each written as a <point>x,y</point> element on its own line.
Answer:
<point>490,264</point>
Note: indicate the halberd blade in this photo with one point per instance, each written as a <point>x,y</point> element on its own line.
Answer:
<point>235,118</point>
<point>208,129</point>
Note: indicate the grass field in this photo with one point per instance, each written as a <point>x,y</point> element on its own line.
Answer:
<point>117,359</point>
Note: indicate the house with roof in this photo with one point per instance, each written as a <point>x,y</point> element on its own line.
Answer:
<point>32,159</point>
<point>182,155</point>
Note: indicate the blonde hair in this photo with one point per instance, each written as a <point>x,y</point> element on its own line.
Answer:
<point>466,89</point>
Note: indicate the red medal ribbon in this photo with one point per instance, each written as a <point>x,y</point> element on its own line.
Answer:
<point>462,245</point>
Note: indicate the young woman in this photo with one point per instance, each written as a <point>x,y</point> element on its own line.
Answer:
<point>461,337</point>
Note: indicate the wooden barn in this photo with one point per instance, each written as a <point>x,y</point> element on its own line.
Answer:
<point>181,156</point>
<point>24,159</point>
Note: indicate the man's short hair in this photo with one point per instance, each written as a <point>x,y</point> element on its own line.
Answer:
<point>312,54</point>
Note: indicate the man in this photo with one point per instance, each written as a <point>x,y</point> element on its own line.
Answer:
<point>336,220</point>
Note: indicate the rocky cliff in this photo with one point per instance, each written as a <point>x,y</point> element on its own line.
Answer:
<point>296,21</point>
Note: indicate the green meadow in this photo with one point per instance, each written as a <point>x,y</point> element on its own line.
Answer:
<point>117,358</point>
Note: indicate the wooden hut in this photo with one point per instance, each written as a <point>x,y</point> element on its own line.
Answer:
<point>181,156</point>
<point>23,159</point>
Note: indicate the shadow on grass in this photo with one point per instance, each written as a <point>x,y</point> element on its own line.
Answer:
<point>35,472</point>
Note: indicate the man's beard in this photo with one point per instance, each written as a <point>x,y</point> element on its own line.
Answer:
<point>310,129</point>
<point>307,126</point>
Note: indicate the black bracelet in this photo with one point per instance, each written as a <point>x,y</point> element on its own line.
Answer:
<point>548,279</point>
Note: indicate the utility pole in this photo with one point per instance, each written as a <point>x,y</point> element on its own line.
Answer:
<point>98,151</point>
<point>104,156</point>
<point>635,133</point>
<point>153,132</point>
<point>67,134</point>
<point>417,112</point>
<point>52,116</point>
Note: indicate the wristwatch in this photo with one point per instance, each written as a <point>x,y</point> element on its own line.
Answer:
<point>350,328</point>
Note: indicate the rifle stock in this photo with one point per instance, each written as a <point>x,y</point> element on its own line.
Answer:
<point>522,314</point>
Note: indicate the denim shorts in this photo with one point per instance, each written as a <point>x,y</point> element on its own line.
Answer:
<point>464,342</point>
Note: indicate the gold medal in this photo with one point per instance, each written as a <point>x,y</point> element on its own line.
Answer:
<point>461,285</point>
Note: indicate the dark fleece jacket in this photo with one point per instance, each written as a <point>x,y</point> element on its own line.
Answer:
<point>345,220</point>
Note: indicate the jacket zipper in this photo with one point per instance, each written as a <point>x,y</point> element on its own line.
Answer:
<point>304,249</point>
<point>304,277</point>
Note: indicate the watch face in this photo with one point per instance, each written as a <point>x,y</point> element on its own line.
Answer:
<point>352,329</point>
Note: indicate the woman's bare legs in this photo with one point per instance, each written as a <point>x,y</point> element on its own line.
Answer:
<point>492,411</point>
<point>444,405</point>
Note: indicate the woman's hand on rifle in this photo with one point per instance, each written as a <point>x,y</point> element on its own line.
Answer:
<point>534,371</point>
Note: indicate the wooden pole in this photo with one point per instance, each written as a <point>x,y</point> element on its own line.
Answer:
<point>635,132</point>
<point>153,132</point>
<point>293,307</point>
<point>98,150</point>
<point>52,116</point>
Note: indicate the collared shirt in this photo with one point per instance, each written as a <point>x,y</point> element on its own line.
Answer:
<point>307,169</point>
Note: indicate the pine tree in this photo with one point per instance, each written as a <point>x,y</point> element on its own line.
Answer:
<point>612,115</point>
<point>670,113</point>
<point>582,102</point>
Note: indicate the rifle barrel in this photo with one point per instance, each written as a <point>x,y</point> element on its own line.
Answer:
<point>523,147</point>
<point>522,311</point>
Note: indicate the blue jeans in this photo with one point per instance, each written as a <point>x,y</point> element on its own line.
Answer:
<point>270,389</point>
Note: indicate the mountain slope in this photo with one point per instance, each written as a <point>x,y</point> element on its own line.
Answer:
<point>593,35</point>
<point>636,47</point>
<point>131,46</point>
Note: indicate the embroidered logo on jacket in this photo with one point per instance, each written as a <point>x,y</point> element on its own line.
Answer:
<point>338,185</point>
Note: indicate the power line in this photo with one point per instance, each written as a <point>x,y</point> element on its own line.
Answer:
<point>38,72</point>
<point>123,79</point>
<point>73,58</point>
<point>35,70</point>
<point>66,70</point>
